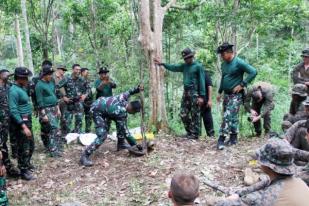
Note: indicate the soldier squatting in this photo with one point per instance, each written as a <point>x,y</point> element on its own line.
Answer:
<point>62,101</point>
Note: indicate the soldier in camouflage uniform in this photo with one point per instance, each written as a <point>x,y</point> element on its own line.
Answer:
<point>88,101</point>
<point>4,122</point>
<point>3,196</point>
<point>300,74</point>
<point>277,161</point>
<point>49,112</point>
<point>232,85</point>
<point>194,91</point>
<point>112,108</point>
<point>74,97</point>
<point>261,95</point>
<point>21,113</point>
<point>297,135</point>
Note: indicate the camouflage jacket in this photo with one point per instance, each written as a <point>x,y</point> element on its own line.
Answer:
<point>87,87</point>
<point>290,133</point>
<point>268,93</point>
<point>4,103</point>
<point>74,88</point>
<point>297,117</point>
<point>300,75</point>
<point>114,107</point>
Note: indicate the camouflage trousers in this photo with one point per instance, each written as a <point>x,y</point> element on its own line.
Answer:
<point>25,145</point>
<point>13,139</point>
<point>73,110</point>
<point>190,113</point>
<point>102,125</point>
<point>4,133</point>
<point>50,131</point>
<point>4,201</point>
<point>88,118</point>
<point>231,105</point>
<point>62,107</point>
<point>266,119</point>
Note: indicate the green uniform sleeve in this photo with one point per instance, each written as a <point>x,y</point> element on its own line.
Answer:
<point>247,102</point>
<point>250,70</point>
<point>13,105</point>
<point>268,104</point>
<point>173,67</point>
<point>39,95</point>
<point>202,83</point>
<point>290,133</point>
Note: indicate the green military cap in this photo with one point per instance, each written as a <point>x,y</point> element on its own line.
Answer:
<point>278,155</point>
<point>300,89</point>
<point>305,52</point>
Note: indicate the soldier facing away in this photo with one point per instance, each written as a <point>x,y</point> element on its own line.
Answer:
<point>232,85</point>
<point>259,102</point>
<point>300,74</point>
<point>277,161</point>
<point>74,97</point>
<point>113,108</point>
<point>88,101</point>
<point>194,91</point>
<point>49,112</point>
<point>21,113</point>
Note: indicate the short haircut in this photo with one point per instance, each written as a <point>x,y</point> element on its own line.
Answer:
<point>136,105</point>
<point>229,50</point>
<point>184,188</point>
<point>75,65</point>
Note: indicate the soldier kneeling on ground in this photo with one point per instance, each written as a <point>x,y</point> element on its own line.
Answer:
<point>277,161</point>
<point>184,189</point>
<point>113,108</point>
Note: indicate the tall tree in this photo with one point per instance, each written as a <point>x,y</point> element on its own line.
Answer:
<point>19,46</point>
<point>151,15</point>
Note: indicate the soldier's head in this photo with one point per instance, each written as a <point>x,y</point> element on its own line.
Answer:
<point>184,189</point>
<point>47,73</point>
<point>76,70</point>
<point>299,92</point>
<point>226,51</point>
<point>4,75</point>
<point>21,75</point>
<point>84,72</point>
<point>305,55</point>
<point>277,158</point>
<point>104,73</point>
<point>187,55</point>
<point>61,69</point>
<point>134,107</point>
<point>46,62</point>
<point>257,94</point>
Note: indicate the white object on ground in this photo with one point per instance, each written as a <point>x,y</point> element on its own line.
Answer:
<point>71,137</point>
<point>87,139</point>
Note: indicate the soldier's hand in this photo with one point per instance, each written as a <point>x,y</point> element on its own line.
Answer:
<point>253,113</point>
<point>200,101</point>
<point>209,104</point>
<point>45,118</point>
<point>219,98</point>
<point>27,131</point>
<point>2,171</point>
<point>141,87</point>
<point>66,99</point>
<point>237,89</point>
<point>83,97</point>
<point>256,118</point>
<point>156,61</point>
<point>307,84</point>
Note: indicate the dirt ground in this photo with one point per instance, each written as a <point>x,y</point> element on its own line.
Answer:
<point>120,179</point>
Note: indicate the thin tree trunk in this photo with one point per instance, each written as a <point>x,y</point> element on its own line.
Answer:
<point>19,46</point>
<point>27,34</point>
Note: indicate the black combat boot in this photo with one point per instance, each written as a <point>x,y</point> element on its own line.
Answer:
<point>84,159</point>
<point>121,144</point>
<point>233,139</point>
<point>26,175</point>
<point>220,145</point>
<point>12,171</point>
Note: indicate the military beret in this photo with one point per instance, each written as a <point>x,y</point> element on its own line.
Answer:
<point>223,47</point>
<point>103,70</point>
<point>47,69</point>
<point>187,53</point>
<point>22,72</point>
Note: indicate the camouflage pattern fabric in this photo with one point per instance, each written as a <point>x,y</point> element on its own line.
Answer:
<point>4,201</point>
<point>51,130</point>
<point>87,105</point>
<point>296,135</point>
<point>73,110</point>
<point>190,113</point>
<point>231,105</point>
<point>300,75</point>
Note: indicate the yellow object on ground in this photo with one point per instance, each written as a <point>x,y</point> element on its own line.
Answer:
<point>149,136</point>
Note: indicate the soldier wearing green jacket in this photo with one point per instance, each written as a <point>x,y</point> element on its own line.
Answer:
<point>49,112</point>
<point>194,91</point>
<point>21,111</point>
<point>74,97</point>
<point>232,86</point>
<point>259,102</point>
<point>104,85</point>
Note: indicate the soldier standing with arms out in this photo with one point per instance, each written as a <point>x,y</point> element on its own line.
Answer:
<point>21,111</point>
<point>88,101</point>
<point>4,122</point>
<point>232,85</point>
<point>194,91</point>
<point>73,97</point>
<point>104,85</point>
<point>49,112</point>
<point>114,108</point>
<point>260,95</point>
<point>300,74</point>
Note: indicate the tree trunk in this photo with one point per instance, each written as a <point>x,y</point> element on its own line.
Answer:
<point>234,27</point>
<point>151,26</point>
<point>19,46</point>
<point>27,34</point>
